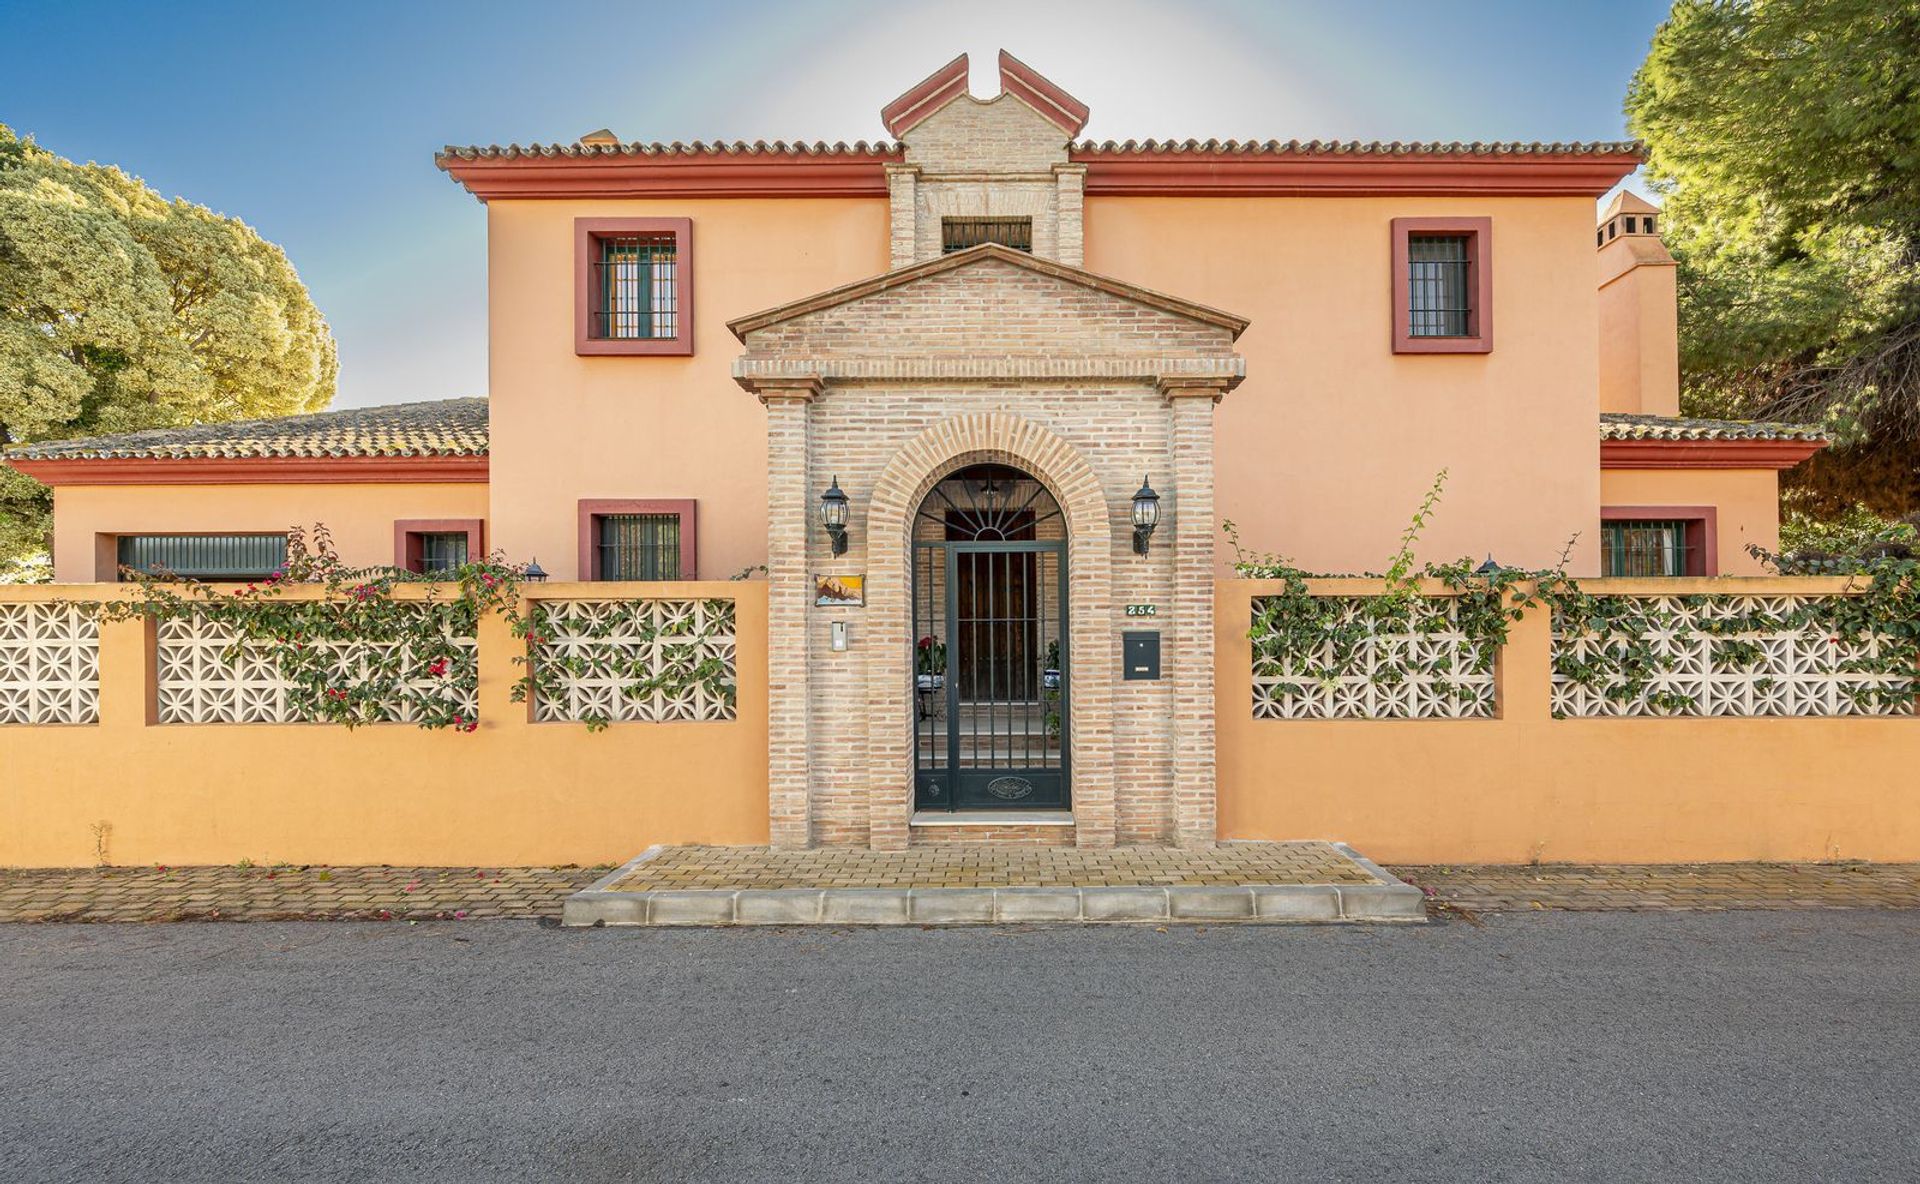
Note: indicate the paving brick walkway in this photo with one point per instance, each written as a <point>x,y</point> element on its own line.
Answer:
<point>1670,886</point>
<point>380,893</point>
<point>286,893</point>
<point>1229,864</point>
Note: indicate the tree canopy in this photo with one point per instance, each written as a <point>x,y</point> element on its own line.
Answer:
<point>122,310</point>
<point>1785,137</point>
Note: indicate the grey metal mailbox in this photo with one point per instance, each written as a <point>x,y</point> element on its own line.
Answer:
<point>1140,654</point>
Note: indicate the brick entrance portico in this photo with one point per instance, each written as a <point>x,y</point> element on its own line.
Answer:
<point>989,356</point>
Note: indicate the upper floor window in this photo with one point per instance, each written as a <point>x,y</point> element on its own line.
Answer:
<point>633,286</point>
<point>204,556</point>
<point>1438,304</point>
<point>957,234</point>
<point>637,540</point>
<point>1442,285</point>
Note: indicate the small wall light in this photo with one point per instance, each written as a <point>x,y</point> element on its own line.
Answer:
<point>1488,570</point>
<point>1146,516</point>
<point>535,574</point>
<point>833,516</point>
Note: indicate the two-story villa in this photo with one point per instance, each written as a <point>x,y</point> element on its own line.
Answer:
<point>1015,381</point>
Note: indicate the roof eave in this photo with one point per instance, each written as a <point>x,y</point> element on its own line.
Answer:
<point>1706,454</point>
<point>254,470</point>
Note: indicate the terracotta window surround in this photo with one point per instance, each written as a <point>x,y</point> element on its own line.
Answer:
<point>587,234</point>
<point>1479,235</point>
<point>407,532</point>
<point>591,511</point>
<point>1703,531</point>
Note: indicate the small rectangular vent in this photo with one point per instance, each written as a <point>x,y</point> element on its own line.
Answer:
<point>957,234</point>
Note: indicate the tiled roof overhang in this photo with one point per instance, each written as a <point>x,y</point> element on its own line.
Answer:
<point>1272,168</point>
<point>409,443</point>
<point>1674,442</point>
<point>1211,168</point>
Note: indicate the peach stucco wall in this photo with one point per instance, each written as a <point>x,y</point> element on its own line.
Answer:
<point>1748,501</point>
<point>567,427</point>
<point>511,793</point>
<point>1526,786</point>
<point>361,517</point>
<point>1326,449</point>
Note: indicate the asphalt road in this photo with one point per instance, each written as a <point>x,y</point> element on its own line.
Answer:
<point>1738,1047</point>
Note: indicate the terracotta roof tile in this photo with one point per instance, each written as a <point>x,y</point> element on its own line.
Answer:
<point>450,427</point>
<point>1356,148</point>
<point>582,150</point>
<point>1620,425</point>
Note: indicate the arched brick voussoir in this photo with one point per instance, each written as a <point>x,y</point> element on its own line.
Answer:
<point>939,450</point>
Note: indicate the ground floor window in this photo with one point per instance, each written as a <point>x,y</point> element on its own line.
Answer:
<point>436,546</point>
<point>204,556</point>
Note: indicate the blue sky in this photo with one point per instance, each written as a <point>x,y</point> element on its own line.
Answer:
<point>317,122</point>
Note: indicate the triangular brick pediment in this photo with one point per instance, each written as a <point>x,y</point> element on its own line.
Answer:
<point>987,293</point>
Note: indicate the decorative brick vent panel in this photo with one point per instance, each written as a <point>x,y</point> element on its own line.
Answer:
<point>1702,662</point>
<point>1427,670</point>
<point>206,675</point>
<point>635,661</point>
<point>49,664</point>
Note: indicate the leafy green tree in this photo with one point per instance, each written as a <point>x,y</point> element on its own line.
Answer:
<point>121,310</point>
<point>1785,136</point>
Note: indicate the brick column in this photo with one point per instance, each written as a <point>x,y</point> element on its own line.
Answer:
<point>1070,186</point>
<point>1194,799</point>
<point>903,212</point>
<point>789,517</point>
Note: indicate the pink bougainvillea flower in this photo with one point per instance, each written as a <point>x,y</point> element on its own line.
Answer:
<point>438,668</point>
<point>459,914</point>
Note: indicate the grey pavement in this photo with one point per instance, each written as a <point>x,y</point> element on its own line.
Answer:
<point>1550,1046</point>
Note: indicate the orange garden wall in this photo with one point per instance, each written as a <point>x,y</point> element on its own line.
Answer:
<point>567,427</point>
<point>1526,786</point>
<point>513,792</point>
<point>1748,501</point>
<point>361,517</point>
<point>1326,449</point>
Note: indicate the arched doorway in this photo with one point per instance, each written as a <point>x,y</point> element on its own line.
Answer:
<point>990,680</point>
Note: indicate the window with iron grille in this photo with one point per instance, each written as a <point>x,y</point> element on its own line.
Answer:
<point>634,283</point>
<point>204,557</point>
<point>1645,548</point>
<point>442,552</point>
<point>957,234</point>
<point>638,546</point>
<point>1439,285</point>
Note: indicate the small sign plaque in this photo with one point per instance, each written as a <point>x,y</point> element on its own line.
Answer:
<point>1143,610</point>
<point>840,591</point>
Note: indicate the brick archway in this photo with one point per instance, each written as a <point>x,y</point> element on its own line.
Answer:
<point>941,449</point>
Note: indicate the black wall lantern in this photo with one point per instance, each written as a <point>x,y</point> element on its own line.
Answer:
<point>1146,516</point>
<point>833,516</point>
<point>535,573</point>
<point>1489,569</point>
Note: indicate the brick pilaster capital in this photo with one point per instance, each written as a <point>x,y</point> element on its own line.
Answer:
<point>1212,387</point>
<point>784,389</point>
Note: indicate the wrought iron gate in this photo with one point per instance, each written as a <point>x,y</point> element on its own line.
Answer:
<point>990,653</point>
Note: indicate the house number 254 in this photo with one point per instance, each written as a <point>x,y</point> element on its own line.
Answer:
<point>1143,610</point>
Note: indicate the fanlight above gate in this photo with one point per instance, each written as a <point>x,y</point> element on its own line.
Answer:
<point>989,504</point>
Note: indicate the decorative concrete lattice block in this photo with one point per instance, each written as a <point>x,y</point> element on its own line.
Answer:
<point>1705,664</point>
<point>49,664</point>
<point>207,675</point>
<point>645,661</point>
<point>1427,670</point>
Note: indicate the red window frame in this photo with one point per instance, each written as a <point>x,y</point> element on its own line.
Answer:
<point>1479,234</point>
<point>1703,531</point>
<point>592,510</point>
<point>587,233</point>
<point>407,532</point>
